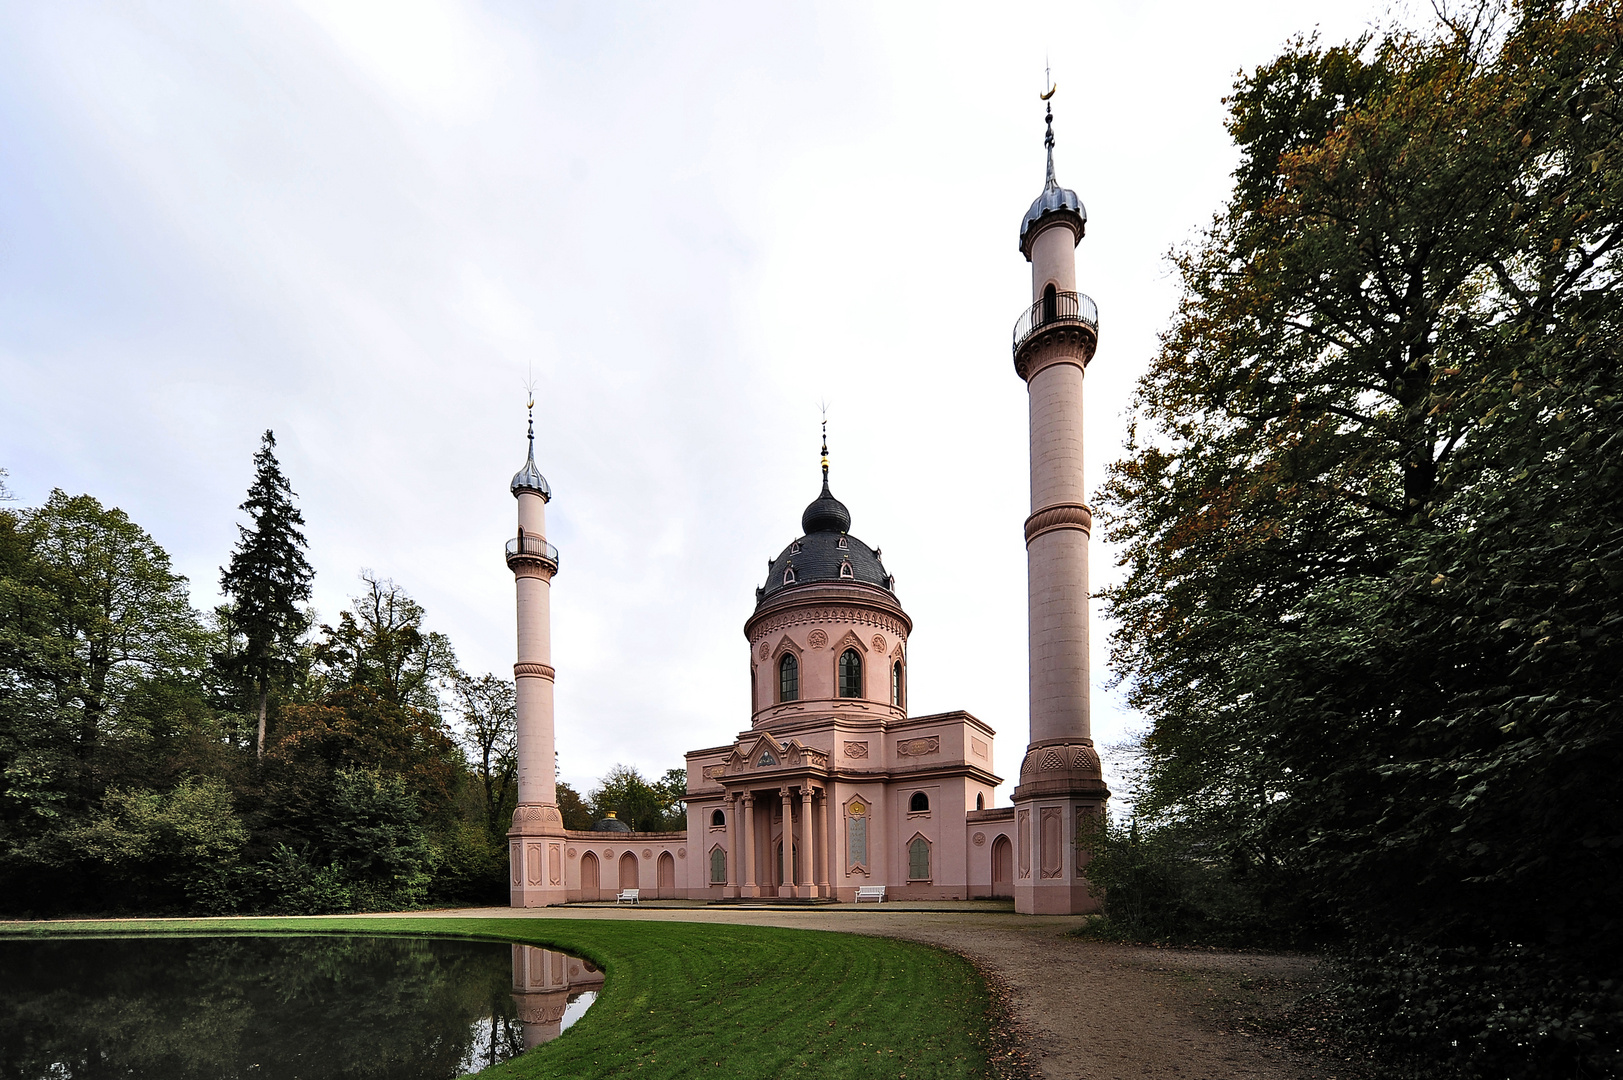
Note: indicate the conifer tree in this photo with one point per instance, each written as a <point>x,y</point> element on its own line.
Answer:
<point>267,580</point>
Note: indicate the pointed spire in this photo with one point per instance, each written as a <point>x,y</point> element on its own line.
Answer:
<point>826,513</point>
<point>529,478</point>
<point>1048,141</point>
<point>1054,201</point>
<point>825,446</point>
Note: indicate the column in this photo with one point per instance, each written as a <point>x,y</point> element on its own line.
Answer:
<point>784,886</point>
<point>807,855</point>
<point>731,888</point>
<point>825,860</point>
<point>750,888</point>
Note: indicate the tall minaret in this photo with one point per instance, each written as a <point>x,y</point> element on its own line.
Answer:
<point>536,838</point>
<point>1060,779</point>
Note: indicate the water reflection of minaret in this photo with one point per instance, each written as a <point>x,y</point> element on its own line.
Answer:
<point>545,983</point>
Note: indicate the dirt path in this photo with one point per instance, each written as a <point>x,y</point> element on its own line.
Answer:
<point>1084,1010</point>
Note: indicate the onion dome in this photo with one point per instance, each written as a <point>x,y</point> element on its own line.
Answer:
<point>825,514</point>
<point>1054,204</point>
<point>827,554</point>
<point>529,478</point>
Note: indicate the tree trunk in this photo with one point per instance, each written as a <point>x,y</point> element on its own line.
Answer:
<point>264,698</point>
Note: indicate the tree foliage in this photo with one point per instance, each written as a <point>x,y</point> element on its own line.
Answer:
<point>1372,510</point>
<point>646,806</point>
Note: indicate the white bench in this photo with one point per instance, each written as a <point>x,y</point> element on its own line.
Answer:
<point>627,896</point>
<point>876,893</point>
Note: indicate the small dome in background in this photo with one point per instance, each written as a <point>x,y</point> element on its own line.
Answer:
<point>611,824</point>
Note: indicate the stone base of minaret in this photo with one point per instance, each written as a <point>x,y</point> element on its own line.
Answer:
<point>1061,790</point>
<point>535,848</point>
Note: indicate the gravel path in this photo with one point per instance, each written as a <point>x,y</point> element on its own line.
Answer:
<point>1083,1010</point>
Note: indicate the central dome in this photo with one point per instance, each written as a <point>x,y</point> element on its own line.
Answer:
<point>826,555</point>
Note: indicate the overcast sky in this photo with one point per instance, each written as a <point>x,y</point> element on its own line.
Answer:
<point>363,224</point>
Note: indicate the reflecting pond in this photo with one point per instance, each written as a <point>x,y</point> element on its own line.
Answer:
<point>278,1008</point>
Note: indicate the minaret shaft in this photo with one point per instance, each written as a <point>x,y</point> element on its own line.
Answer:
<point>537,761</point>
<point>1060,782</point>
<point>535,842</point>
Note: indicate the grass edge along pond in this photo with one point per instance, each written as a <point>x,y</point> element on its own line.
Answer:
<point>683,999</point>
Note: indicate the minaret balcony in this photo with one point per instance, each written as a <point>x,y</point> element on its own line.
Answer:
<point>1058,311</point>
<point>529,548</point>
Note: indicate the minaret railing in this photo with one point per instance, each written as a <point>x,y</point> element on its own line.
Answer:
<point>532,547</point>
<point>1060,308</point>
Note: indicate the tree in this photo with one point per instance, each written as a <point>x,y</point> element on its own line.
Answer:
<point>646,807</point>
<point>268,579</point>
<point>1372,516</point>
<point>91,608</point>
<point>380,644</point>
<point>576,814</point>
<point>487,709</point>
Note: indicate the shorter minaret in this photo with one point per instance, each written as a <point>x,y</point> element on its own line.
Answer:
<point>1061,785</point>
<point>535,842</point>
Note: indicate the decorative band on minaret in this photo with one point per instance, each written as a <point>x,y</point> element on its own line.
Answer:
<point>1061,783</point>
<point>535,845</point>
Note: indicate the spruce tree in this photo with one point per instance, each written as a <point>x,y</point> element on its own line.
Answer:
<point>267,580</point>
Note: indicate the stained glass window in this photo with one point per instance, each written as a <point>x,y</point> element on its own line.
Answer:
<point>850,674</point>
<point>788,678</point>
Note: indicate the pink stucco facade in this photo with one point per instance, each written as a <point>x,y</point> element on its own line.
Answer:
<point>834,785</point>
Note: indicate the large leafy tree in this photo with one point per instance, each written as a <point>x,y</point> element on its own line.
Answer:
<point>487,714</point>
<point>380,644</point>
<point>1372,509</point>
<point>268,581</point>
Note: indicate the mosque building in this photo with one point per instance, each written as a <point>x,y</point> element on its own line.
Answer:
<point>835,787</point>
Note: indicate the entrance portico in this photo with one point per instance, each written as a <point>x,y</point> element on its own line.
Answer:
<point>783,840</point>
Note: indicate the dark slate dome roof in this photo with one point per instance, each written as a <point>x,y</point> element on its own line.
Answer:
<point>826,555</point>
<point>611,824</point>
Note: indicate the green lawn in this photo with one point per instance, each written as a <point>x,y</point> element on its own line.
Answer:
<point>693,999</point>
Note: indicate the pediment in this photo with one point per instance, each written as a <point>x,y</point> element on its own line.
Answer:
<point>763,751</point>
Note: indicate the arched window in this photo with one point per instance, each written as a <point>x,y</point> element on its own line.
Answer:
<point>788,678</point>
<point>718,864</point>
<point>850,674</point>
<point>980,802</point>
<point>840,543</point>
<point>919,803</point>
<point>846,572</point>
<point>718,819</point>
<point>1050,304</point>
<point>789,576</point>
<point>918,859</point>
<point>896,684</point>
